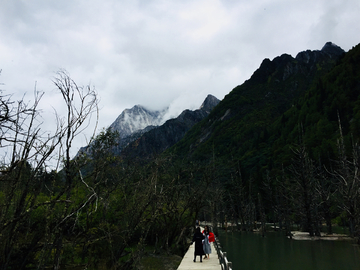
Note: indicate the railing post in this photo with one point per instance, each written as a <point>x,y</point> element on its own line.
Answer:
<point>225,264</point>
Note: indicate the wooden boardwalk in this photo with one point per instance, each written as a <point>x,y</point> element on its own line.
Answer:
<point>188,263</point>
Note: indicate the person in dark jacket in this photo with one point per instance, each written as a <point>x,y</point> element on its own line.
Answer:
<point>198,238</point>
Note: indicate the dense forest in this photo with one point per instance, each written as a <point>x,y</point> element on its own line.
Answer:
<point>283,147</point>
<point>286,145</point>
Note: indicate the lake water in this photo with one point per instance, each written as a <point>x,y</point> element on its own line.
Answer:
<point>251,251</point>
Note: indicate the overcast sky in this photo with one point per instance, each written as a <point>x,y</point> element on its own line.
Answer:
<point>159,53</point>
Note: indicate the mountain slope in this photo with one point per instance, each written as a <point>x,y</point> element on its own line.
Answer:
<point>160,138</point>
<point>130,125</point>
<point>332,98</point>
<point>237,129</point>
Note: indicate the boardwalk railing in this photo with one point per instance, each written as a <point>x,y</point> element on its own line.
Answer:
<point>225,264</point>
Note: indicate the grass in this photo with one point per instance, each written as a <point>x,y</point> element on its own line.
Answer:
<point>160,262</point>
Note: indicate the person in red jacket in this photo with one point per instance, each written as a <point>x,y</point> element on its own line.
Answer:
<point>211,237</point>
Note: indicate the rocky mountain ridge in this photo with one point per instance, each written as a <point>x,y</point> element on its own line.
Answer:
<point>135,119</point>
<point>272,88</point>
<point>143,132</point>
<point>158,139</point>
<point>245,113</point>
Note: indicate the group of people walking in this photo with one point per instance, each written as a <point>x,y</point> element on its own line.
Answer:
<point>202,243</point>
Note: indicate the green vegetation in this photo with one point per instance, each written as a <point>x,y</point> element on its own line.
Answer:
<point>282,147</point>
<point>278,148</point>
<point>97,211</point>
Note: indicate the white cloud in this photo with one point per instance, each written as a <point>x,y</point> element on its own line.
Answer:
<point>159,53</point>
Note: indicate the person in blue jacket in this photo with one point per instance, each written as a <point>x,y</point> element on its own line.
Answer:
<point>206,246</point>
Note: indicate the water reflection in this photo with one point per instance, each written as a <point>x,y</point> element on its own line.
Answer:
<point>251,251</point>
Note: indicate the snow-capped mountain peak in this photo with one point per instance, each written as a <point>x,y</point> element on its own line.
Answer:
<point>135,119</point>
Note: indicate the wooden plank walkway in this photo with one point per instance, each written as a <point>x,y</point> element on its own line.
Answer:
<point>188,263</point>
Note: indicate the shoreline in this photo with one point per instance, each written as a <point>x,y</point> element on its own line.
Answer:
<point>298,235</point>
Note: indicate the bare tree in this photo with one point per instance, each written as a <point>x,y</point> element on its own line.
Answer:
<point>348,175</point>
<point>303,172</point>
<point>94,207</point>
<point>28,150</point>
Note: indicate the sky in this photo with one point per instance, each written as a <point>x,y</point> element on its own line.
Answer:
<point>158,53</point>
